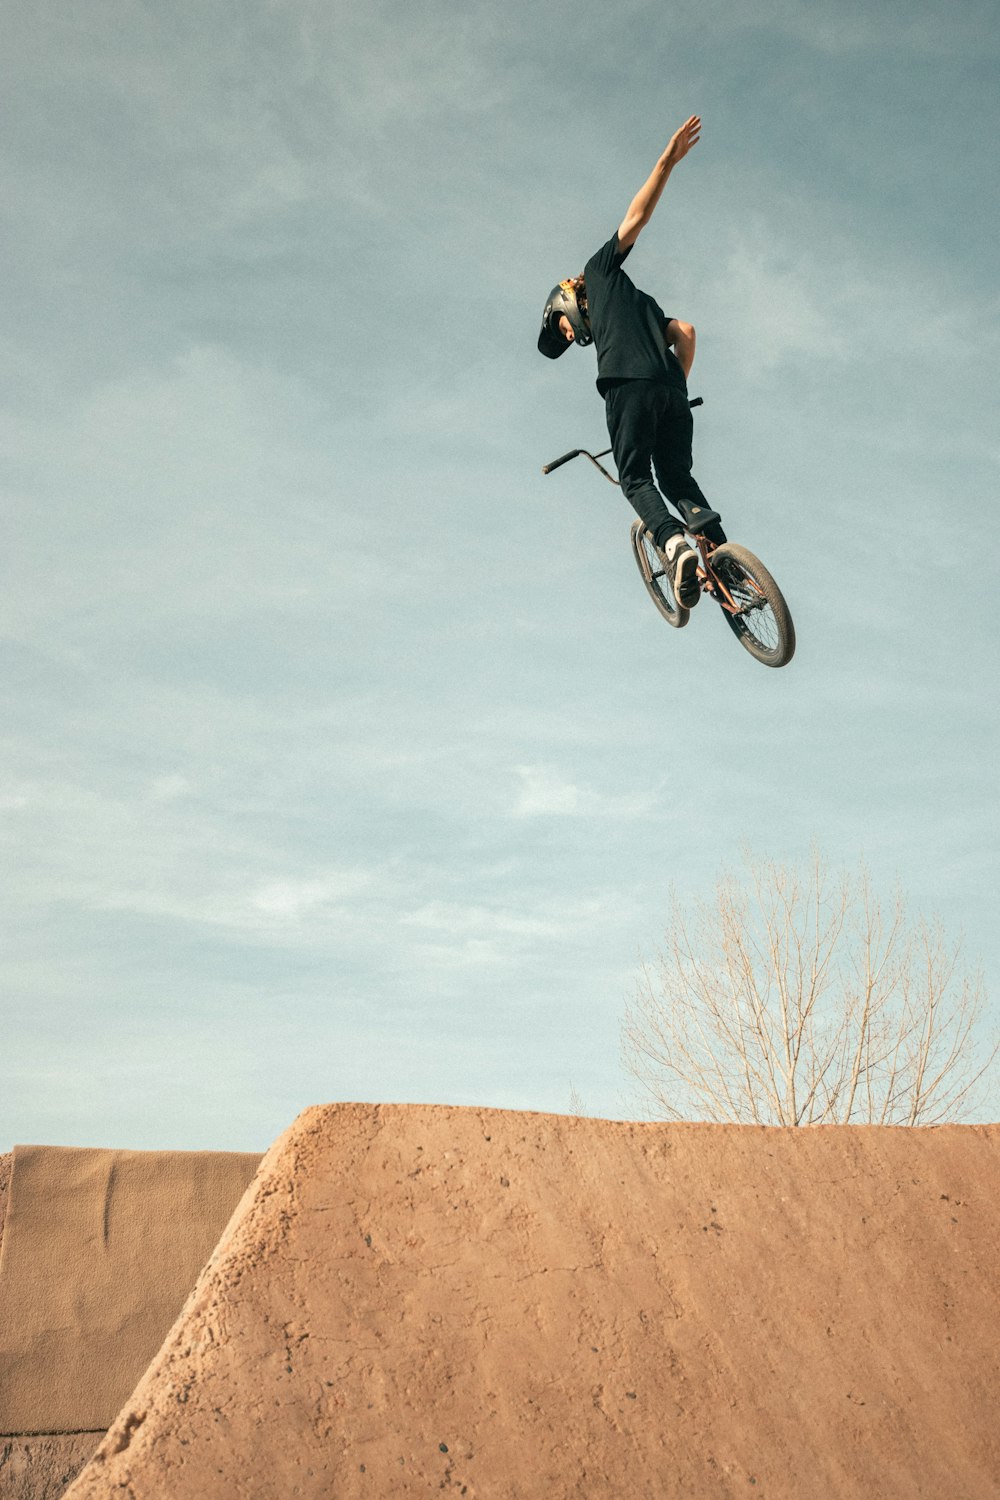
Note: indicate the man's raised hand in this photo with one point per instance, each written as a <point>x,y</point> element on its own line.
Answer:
<point>641,208</point>
<point>683,139</point>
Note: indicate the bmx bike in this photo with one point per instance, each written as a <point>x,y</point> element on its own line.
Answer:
<point>752,604</point>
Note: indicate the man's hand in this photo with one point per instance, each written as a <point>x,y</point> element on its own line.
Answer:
<point>641,208</point>
<point>682,140</point>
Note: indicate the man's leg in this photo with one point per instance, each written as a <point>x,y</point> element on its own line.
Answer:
<point>635,410</point>
<point>672,459</point>
<point>632,412</point>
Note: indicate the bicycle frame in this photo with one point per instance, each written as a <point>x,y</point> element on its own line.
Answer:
<point>709,579</point>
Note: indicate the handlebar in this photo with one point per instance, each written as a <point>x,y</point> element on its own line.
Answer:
<point>564,460</point>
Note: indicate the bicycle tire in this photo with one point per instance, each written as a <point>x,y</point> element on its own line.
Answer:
<point>658,586</point>
<point>764,625</point>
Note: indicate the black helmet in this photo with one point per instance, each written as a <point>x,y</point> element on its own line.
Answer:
<point>563,300</point>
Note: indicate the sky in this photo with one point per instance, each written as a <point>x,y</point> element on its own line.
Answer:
<point>343,755</point>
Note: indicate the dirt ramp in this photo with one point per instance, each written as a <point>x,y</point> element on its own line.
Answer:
<point>6,1163</point>
<point>417,1299</point>
<point>100,1250</point>
<point>40,1467</point>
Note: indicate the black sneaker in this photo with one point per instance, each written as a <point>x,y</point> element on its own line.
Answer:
<point>684,572</point>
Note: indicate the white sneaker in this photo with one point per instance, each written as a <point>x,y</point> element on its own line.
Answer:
<point>683,561</point>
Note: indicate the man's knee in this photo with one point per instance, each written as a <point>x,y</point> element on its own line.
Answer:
<point>637,485</point>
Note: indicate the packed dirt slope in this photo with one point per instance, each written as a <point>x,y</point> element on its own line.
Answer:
<point>415,1299</point>
<point>6,1162</point>
<point>41,1466</point>
<point>99,1250</point>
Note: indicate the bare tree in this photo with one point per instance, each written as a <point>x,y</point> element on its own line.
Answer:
<point>800,998</point>
<point>576,1104</point>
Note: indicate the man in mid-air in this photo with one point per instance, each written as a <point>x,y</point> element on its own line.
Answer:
<point>643,360</point>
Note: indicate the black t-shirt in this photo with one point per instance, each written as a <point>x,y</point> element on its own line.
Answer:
<point>627,325</point>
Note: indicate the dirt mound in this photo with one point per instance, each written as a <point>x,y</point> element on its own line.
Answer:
<point>6,1163</point>
<point>415,1299</point>
<point>100,1250</point>
<point>41,1466</point>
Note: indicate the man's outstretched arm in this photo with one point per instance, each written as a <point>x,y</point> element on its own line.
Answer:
<point>640,210</point>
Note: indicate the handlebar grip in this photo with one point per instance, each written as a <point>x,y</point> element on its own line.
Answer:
<point>697,401</point>
<point>564,460</point>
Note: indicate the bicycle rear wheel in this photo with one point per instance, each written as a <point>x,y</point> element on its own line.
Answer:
<point>763,624</point>
<point>654,576</point>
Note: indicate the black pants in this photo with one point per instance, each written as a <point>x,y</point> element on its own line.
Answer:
<point>649,424</point>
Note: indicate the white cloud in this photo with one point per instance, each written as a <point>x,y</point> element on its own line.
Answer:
<point>773,307</point>
<point>158,493</point>
<point>458,921</point>
<point>464,936</point>
<point>792,289</point>
<point>546,793</point>
<point>221,893</point>
<point>291,914</point>
<point>470,953</point>
<point>166,788</point>
<point>296,900</point>
<point>152,850</point>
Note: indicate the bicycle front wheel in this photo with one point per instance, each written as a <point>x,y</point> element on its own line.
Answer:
<point>762,622</point>
<point>655,577</point>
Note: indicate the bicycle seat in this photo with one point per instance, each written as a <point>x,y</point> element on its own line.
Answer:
<point>696,517</point>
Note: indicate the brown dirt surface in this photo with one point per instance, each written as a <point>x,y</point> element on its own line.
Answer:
<point>499,1305</point>
<point>40,1467</point>
<point>6,1161</point>
<point>101,1249</point>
